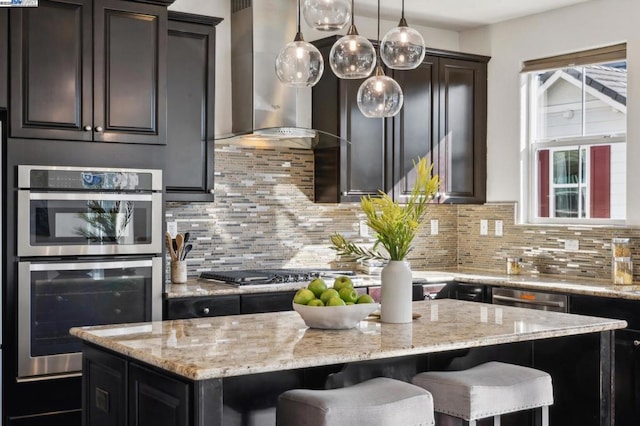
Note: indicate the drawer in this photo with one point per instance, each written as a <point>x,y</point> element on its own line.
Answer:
<point>628,310</point>
<point>196,307</point>
<point>266,302</point>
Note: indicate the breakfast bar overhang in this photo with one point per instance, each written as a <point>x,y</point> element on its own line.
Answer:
<point>199,354</point>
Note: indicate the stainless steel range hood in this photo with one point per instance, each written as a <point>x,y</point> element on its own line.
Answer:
<point>263,109</point>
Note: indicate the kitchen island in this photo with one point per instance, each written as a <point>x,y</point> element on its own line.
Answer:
<point>158,372</point>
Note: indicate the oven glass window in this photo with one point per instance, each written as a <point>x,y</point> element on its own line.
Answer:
<point>64,299</point>
<point>90,222</point>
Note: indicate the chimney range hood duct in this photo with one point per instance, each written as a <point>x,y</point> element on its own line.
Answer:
<point>262,107</point>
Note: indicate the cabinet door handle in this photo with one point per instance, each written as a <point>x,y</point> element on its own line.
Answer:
<point>212,191</point>
<point>636,343</point>
<point>87,128</point>
<point>345,193</point>
<point>206,311</point>
<point>99,129</point>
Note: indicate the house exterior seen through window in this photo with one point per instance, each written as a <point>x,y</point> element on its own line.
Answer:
<point>577,119</point>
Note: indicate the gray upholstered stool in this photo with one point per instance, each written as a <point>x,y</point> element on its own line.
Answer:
<point>376,402</point>
<point>488,390</point>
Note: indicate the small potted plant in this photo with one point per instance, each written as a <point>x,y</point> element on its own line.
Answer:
<point>395,226</point>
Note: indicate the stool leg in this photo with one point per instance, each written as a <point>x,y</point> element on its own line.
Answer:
<point>496,420</point>
<point>545,415</point>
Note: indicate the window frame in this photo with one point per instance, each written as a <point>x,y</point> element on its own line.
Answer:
<point>529,190</point>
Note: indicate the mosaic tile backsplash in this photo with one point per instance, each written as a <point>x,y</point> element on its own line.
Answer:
<point>264,217</point>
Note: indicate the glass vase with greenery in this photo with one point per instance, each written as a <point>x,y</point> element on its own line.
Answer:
<point>395,225</point>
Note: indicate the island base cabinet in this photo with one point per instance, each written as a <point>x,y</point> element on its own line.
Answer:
<point>627,376</point>
<point>104,378</point>
<point>156,400</point>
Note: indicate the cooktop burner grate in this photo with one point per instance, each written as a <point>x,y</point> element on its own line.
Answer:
<point>268,276</point>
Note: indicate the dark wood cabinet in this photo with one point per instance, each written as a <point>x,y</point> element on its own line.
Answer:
<point>344,171</point>
<point>4,57</point>
<point>198,307</point>
<point>101,79</point>
<point>443,118</point>
<point>104,378</point>
<point>627,351</point>
<point>157,399</point>
<point>266,302</point>
<point>189,173</point>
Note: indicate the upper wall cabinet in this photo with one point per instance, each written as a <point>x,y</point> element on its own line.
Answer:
<point>443,118</point>
<point>190,107</point>
<point>4,59</point>
<point>90,70</point>
<point>344,171</point>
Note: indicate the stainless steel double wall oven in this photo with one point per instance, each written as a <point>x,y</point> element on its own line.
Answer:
<point>89,243</point>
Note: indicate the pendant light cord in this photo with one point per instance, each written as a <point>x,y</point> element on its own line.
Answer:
<point>299,15</point>
<point>353,6</point>
<point>379,22</point>
<point>299,33</point>
<point>402,9</point>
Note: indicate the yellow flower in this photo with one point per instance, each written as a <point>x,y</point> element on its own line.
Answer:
<point>395,225</point>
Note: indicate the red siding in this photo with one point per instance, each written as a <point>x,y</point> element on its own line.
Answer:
<point>543,183</point>
<point>600,181</point>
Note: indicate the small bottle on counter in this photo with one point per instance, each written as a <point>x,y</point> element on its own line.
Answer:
<point>622,265</point>
<point>513,265</point>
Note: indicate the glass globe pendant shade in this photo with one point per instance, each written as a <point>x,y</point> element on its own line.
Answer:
<point>402,48</point>
<point>380,96</point>
<point>299,64</point>
<point>327,15</point>
<point>352,56</point>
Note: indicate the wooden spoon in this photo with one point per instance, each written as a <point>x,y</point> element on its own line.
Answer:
<point>170,246</point>
<point>180,245</point>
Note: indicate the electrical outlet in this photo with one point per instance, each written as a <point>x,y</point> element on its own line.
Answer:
<point>498,228</point>
<point>172,228</point>
<point>571,245</point>
<point>364,229</point>
<point>434,226</point>
<point>484,227</point>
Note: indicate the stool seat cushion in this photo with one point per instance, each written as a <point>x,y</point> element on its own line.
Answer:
<point>376,402</point>
<point>487,390</point>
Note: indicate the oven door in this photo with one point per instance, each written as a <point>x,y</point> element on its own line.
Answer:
<point>53,297</point>
<point>87,223</point>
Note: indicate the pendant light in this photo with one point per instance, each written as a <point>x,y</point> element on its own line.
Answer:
<point>402,47</point>
<point>299,64</point>
<point>380,96</point>
<point>352,56</point>
<point>327,15</point>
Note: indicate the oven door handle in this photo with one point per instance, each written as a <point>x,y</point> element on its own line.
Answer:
<point>529,302</point>
<point>90,196</point>
<point>74,266</point>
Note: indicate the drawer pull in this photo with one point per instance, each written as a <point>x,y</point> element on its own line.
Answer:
<point>636,343</point>
<point>206,311</point>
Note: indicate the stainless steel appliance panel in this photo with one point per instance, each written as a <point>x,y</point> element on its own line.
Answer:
<point>53,297</point>
<point>530,299</point>
<point>86,223</point>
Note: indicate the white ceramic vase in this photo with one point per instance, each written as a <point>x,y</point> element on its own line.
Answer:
<point>396,294</point>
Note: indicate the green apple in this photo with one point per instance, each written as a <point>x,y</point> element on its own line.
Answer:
<point>315,302</point>
<point>328,294</point>
<point>317,286</point>
<point>348,294</point>
<point>342,282</point>
<point>365,298</point>
<point>336,301</point>
<point>303,296</point>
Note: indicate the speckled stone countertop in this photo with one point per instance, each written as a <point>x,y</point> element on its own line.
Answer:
<point>218,347</point>
<point>553,283</point>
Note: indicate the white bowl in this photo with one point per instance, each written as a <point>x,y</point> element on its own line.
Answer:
<point>334,317</point>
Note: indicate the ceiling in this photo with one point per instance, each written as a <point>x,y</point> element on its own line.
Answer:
<point>458,15</point>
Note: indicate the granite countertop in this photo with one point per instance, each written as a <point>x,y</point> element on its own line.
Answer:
<point>553,283</point>
<point>218,347</point>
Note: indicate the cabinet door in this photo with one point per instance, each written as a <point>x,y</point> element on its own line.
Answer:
<point>627,379</point>
<point>51,96</point>
<point>414,132</point>
<point>4,58</point>
<point>129,72</point>
<point>104,378</point>
<point>363,162</point>
<point>156,399</point>
<point>190,110</point>
<point>266,302</point>
<point>461,146</point>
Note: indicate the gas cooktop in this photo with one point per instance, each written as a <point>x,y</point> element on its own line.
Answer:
<point>269,276</point>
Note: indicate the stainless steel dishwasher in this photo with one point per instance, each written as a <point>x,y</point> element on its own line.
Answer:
<point>530,299</point>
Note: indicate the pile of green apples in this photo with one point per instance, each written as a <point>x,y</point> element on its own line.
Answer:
<point>318,294</point>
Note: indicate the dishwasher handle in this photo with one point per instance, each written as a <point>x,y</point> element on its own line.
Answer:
<point>529,302</point>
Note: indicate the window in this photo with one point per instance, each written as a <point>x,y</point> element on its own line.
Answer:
<point>577,120</point>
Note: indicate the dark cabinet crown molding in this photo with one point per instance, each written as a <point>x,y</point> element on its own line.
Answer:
<point>157,2</point>
<point>194,19</point>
